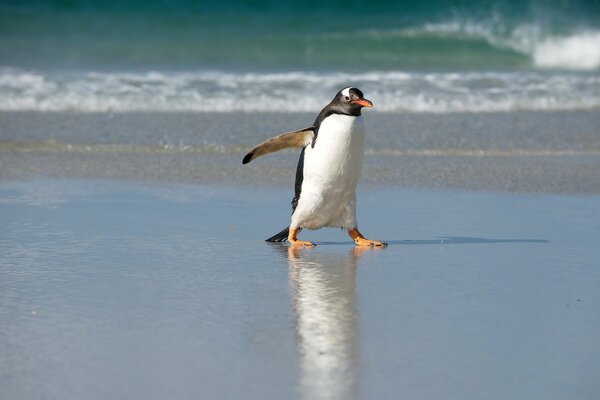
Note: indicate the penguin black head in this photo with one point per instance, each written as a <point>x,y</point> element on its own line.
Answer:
<point>349,101</point>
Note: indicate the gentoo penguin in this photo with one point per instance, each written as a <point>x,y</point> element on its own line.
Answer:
<point>328,168</point>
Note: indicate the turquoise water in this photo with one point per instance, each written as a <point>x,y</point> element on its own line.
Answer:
<point>341,35</point>
<point>441,56</point>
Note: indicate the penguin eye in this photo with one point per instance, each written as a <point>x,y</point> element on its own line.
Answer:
<point>347,98</point>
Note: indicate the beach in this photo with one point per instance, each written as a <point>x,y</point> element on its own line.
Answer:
<point>167,290</point>
<point>133,261</point>
<point>135,264</point>
<point>543,152</point>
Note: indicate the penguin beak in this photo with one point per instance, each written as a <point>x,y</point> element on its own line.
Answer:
<point>363,102</point>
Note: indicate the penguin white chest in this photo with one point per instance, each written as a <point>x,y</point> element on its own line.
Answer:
<point>336,158</point>
<point>331,171</point>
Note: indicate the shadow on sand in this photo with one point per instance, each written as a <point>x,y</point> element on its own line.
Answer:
<point>464,240</point>
<point>445,240</point>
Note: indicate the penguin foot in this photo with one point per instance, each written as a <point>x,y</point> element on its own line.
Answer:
<point>371,243</point>
<point>360,240</point>
<point>295,242</point>
<point>299,243</point>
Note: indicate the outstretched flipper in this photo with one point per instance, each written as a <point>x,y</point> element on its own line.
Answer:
<point>298,139</point>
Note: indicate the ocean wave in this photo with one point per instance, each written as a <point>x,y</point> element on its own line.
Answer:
<point>579,50</point>
<point>216,91</point>
<point>384,35</point>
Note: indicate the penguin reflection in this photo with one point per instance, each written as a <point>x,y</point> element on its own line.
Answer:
<point>324,300</point>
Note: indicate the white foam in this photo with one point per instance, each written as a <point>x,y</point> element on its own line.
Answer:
<point>580,51</point>
<point>214,91</point>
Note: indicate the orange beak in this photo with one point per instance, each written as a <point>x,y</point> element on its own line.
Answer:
<point>363,102</point>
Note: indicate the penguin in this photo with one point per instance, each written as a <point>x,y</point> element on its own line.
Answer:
<point>328,169</point>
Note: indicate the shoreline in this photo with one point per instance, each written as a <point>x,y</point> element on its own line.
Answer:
<point>473,174</point>
<point>522,152</point>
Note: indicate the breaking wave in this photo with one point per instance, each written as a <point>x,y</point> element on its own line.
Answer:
<point>579,50</point>
<point>391,91</point>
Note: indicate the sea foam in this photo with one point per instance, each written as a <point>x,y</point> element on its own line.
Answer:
<point>580,51</point>
<point>217,91</point>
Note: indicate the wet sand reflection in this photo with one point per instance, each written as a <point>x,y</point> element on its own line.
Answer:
<point>324,301</point>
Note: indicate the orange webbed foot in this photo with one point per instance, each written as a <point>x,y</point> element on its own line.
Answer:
<point>295,242</point>
<point>360,240</point>
<point>368,242</point>
<point>301,243</point>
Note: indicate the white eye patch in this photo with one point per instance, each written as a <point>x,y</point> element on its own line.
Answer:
<point>346,92</point>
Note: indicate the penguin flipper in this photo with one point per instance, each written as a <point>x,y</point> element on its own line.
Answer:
<point>279,237</point>
<point>298,139</point>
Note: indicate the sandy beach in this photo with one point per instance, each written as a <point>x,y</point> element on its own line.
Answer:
<point>133,262</point>
<point>167,290</point>
<point>543,152</point>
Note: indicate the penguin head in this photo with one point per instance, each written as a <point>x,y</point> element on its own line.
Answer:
<point>350,101</point>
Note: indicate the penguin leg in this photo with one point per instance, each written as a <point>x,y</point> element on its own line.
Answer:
<point>294,241</point>
<point>360,240</point>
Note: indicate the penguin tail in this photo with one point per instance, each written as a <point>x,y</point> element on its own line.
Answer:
<point>279,237</point>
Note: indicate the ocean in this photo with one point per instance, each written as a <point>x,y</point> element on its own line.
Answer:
<point>271,56</point>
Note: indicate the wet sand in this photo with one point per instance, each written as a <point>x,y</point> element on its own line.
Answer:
<point>132,261</point>
<point>543,152</point>
<point>155,291</point>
